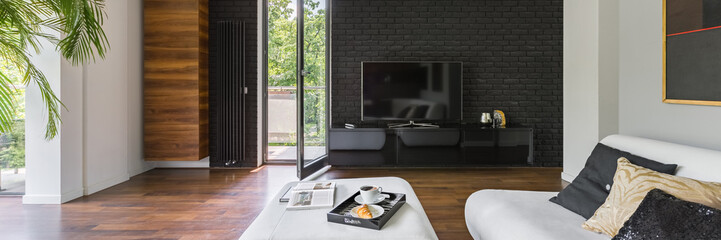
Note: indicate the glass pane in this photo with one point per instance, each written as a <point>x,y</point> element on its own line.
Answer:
<point>12,143</point>
<point>12,160</point>
<point>314,85</point>
<point>282,92</point>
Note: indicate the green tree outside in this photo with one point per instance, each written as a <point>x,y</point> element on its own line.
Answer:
<point>12,144</point>
<point>282,59</point>
<point>12,155</point>
<point>282,28</point>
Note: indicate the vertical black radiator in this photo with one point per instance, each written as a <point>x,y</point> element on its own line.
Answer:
<point>229,91</point>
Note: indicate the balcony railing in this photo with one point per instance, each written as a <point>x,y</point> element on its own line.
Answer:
<point>282,115</point>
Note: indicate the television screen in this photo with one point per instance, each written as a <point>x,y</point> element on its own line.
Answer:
<point>412,90</point>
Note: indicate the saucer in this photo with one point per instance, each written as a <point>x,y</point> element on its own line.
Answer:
<point>376,211</point>
<point>359,199</point>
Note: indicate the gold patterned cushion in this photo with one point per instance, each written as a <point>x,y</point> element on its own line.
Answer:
<point>631,184</point>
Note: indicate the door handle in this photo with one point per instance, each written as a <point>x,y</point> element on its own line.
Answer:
<point>304,73</point>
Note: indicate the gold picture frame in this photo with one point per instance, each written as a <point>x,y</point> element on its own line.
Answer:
<point>677,101</point>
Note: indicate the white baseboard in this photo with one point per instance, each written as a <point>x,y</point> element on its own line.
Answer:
<point>567,177</point>
<point>42,199</point>
<point>96,187</point>
<point>71,195</point>
<point>146,167</point>
<point>203,163</point>
<point>53,199</point>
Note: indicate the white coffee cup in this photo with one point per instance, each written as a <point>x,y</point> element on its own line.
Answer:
<point>370,193</point>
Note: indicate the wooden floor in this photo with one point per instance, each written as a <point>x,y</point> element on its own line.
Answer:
<point>220,204</point>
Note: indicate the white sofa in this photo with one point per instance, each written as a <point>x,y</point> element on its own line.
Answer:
<point>504,214</point>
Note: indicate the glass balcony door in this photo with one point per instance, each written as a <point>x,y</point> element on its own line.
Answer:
<point>281,118</point>
<point>312,86</point>
<point>297,113</point>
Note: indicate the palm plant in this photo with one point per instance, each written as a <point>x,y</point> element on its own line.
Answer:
<point>23,24</point>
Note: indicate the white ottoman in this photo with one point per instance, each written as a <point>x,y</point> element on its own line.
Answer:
<point>274,222</point>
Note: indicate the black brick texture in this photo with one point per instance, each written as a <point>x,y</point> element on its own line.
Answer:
<point>246,11</point>
<point>511,51</point>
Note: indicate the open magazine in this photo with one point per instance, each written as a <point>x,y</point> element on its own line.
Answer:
<point>311,195</point>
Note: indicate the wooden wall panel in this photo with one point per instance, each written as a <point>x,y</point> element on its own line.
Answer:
<point>203,85</point>
<point>175,80</point>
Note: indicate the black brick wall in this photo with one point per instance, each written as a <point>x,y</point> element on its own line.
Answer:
<point>247,11</point>
<point>511,51</point>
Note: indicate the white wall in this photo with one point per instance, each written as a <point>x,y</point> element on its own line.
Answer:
<point>608,68</point>
<point>106,107</point>
<point>43,157</point>
<point>629,84</point>
<point>71,133</point>
<point>580,82</point>
<point>590,79</point>
<point>100,141</point>
<point>136,164</point>
<point>641,111</point>
<point>48,161</point>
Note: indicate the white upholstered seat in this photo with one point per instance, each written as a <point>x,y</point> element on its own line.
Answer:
<point>504,214</point>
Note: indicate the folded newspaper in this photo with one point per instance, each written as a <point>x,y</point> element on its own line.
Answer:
<point>311,195</point>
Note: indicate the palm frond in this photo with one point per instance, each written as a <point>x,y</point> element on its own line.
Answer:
<point>83,26</point>
<point>51,101</point>
<point>23,24</point>
<point>7,103</point>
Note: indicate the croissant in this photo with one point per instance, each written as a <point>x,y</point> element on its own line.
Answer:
<point>364,212</point>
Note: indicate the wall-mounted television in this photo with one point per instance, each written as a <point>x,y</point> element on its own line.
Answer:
<point>412,91</point>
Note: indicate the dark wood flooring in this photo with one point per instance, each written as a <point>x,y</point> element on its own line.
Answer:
<point>220,204</point>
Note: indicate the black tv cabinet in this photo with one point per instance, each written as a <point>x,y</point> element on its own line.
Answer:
<point>468,145</point>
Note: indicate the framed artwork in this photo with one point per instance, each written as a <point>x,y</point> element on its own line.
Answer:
<point>692,52</point>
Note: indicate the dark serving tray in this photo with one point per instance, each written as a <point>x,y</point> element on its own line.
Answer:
<point>341,213</point>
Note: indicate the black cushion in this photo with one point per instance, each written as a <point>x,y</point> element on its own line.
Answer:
<point>589,190</point>
<point>663,216</point>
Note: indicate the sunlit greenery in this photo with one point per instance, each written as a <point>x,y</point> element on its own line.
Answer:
<point>282,29</point>
<point>17,89</point>
<point>282,59</point>
<point>12,147</point>
<point>12,144</point>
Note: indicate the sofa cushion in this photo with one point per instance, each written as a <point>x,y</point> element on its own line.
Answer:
<point>663,216</point>
<point>589,190</point>
<point>504,214</point>
<point>693,162</point>
<point>632,183</point>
